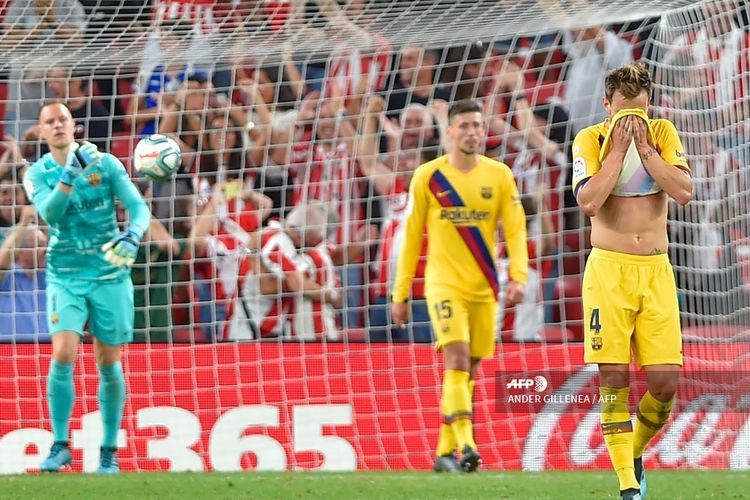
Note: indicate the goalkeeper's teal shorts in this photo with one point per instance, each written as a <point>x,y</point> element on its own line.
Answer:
<point>107,306</point>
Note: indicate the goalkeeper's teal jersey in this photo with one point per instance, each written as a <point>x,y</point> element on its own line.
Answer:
<point>86,219</point>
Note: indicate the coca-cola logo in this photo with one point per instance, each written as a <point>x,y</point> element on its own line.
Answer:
<point>709,418</point>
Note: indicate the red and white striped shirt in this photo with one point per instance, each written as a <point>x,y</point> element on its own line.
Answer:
<point>333,177</point>
<point>204,15</point>
<point>391,236</point>
<point>258,315</point>
<point>316,320</point>
<point>349,66</point>
<point>238,221</point>
<point>722,61</point>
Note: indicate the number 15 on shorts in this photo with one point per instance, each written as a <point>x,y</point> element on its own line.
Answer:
<point>443,309</point>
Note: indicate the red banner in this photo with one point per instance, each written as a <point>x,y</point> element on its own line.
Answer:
<point>359,406</point>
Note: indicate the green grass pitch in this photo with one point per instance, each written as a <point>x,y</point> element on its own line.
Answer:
<point>670,485</point>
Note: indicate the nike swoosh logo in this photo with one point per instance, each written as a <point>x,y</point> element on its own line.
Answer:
<point>443,194</point>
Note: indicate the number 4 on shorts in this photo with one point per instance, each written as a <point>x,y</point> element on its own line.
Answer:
<point>594,323</point>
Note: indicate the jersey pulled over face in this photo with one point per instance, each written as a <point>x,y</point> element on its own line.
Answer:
<point>589,151</point>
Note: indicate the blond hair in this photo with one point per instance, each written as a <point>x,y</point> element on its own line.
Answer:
<point>630,80</point>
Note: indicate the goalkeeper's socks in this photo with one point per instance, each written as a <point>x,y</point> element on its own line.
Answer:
<point>60,396</point>
<point>457,406</point>
<point>618,434</point>
<point>651,416</point>
<point>111,401</point>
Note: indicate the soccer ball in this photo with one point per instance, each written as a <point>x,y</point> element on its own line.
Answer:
<point>157,157</point>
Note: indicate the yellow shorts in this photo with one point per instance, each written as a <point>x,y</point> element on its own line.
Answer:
<point>458,320</point>
<point>630,300</point>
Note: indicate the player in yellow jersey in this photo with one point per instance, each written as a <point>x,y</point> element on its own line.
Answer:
<point>624,170</point>
<point>460,198</point>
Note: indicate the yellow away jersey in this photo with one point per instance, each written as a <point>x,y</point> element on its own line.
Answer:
<point>461,211</point>
<point>634,179</point>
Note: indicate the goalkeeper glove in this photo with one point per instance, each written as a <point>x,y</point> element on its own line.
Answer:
<point>122,250</point>
<point>80,157</point>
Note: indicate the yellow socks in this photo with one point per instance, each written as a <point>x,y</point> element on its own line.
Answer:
<point>618,433</point>
<point>650,418</point>
<point>446,440</point>
<point>446,437</point>
<point>457,410</point>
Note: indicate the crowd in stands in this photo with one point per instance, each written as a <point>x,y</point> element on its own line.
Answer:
<point>284,218</point>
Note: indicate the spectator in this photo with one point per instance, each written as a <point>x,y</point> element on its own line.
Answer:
<point>361,58</point>
<point>415,81</point>
<point>316,319</point>
<point>507,103</point>
<point>592,53</point>
<point>498,83</point>
<point>156,270</point>
<point>272,177</point>
<point>185,119</point>
<point>225,157</point>
<point>224,231</point>
<point>12,198</point>
<point>210,22</point>
<point>273,87</point>
<point>406,140</point>
<point>334,178</point>
<point>465,72</point>
<point>178,214</point>
<point>266,299</point>
<point>713,64</point>
<point>23,282</point>
<point>75,90</point>
<point>524,321</point>
<point>11,158</point>
<point>32,146</point>
<point>391,182</point>
<point>311,39</point>
<point>186,116</point>
<point>552,119</point>
<point>161,74</point>
<point>115,26</point>
<point>35,22</point>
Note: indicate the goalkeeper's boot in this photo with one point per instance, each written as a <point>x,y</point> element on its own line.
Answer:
<point>470,459</point>
<point>630,494</point>
<point>640,476</point>
<point>108,463</point>
<point>59,457</point>
<point>447,463</point>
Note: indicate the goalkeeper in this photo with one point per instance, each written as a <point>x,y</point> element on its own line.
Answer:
<point>623,171</point>
<point>73,188</point>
